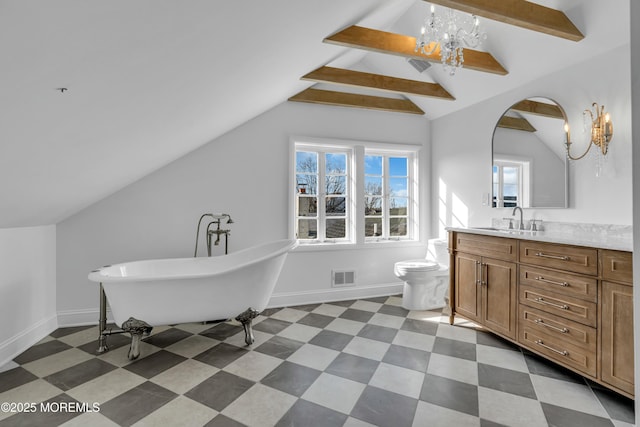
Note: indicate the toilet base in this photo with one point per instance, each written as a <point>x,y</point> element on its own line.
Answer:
<point>424,296</point>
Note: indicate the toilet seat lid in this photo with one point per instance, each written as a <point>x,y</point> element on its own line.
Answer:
<point>418,265</point>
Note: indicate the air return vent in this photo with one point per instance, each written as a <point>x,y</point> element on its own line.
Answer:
<point>420,65</point>
<point>343,278</point>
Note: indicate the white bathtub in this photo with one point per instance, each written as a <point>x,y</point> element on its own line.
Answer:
<point>181,290</point>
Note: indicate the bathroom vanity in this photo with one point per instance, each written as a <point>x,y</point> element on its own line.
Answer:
<point>566,297</point>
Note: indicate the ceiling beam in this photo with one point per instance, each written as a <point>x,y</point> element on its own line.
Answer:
<point>377,81</point>
<point>520,13</point>
<point>516,123</point>
<point>539,109</point>
<point>343,99</point>
<point>405,46</point>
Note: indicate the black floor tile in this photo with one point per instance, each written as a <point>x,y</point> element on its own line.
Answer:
<point>487,338</point>
<point>220,355</point>
<point>540,366</point>
<point>379,300</point>
<point>113,342</point>
<point>330,339</point>
<point>357,315</point>
<point>62,332</point>
<point>304,413</point>
<point>618,407</point>
<point>384,408</point>
<point>307,307</point>
<point>406,357</point>
<point>487,423</point>
<point>353,367</point>
<point>39,351</point>
<point>219,390</point>
<point>450,394</point>
<point>222,331</point>
<point>348,303</point>
<point>316,320</point>
<point>155,363</point>
<point>15,378</point>
<point>455,348</point>
<point>291,378</point>
<point>420,326</point>
<point>135,404</point>
<point>506,380</point>
<point>270,311</point>
<point>79,374</point>
<point>393,310</point>
<point>222,421</point>
<point>378,333</point>
<point>280,347</point>
<point>167,337</point>
<point>557,416</point>
<point>271,326</point>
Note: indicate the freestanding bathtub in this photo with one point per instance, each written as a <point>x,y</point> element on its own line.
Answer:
<point>143,294</point>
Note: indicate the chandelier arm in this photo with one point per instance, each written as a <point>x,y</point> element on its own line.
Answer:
<point>568,144</point>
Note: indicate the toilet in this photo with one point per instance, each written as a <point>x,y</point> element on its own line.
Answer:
<point>426,281</point>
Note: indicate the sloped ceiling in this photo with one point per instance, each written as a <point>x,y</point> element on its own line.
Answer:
<point>150,80</point>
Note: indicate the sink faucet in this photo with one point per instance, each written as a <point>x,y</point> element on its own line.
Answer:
<point>521,226</point>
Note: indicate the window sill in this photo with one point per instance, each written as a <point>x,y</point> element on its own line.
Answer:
<point>342,246</point>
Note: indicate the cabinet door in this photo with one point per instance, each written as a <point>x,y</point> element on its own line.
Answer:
<point>617,335</point>
<point>467,286</point>
<point>499,296</point>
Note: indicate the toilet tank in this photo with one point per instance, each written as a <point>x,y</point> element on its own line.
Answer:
<point>437,251</point>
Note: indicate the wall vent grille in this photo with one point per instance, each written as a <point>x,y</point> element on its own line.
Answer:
<point>343,278</point>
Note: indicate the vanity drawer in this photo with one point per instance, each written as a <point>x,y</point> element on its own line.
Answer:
<point>617,266</point>
<point>560,282</point>
<point>559,350</point>
<point>561,305</point>
<point>563,257</point>
<point>489,246</point>
<point>562,329</point>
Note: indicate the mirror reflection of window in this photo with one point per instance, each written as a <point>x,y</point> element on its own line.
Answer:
<point>511,183</point>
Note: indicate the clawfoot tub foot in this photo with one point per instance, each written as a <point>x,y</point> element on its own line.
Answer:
<point>246,318</point>
<point>137,328</point>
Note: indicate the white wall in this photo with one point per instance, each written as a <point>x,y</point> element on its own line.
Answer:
<point>461,149</point>
<point>244,173</point>
<point>27,287</point>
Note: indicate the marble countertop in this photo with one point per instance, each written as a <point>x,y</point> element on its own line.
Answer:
<point>592,235</point>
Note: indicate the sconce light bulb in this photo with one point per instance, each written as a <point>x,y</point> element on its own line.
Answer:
<point>433,8</point>
<point>422,30</point>
<point>606,118</point>
<point>566,127</point>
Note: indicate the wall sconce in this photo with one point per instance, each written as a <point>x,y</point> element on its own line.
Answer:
<point>601,131</point>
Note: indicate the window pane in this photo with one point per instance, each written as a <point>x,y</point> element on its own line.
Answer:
<point>372,227</point>
<point>510,175</point>
<point>306,183</point>
<point>373,186</point>
<point>336,185</point>
<point>398,187</point>
<point>306,162</point>
<point>398,206</point>
<point>335,163</point>
<point>336,229</point>
<point>336,206</point>
<point>398,166</point>
<point>373,165</point>
<point>373,206</point>
<point>398,226</point>
<point>307,206</point>
<point>307,229</point>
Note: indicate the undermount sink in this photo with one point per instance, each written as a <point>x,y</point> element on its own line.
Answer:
<point>504,230</point>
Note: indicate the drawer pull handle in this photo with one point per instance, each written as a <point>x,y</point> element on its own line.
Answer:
<point>555,328</point>
<point>561,352</point>
<point>562,258</point>
<point>552,282</point>
<point>560,306</point>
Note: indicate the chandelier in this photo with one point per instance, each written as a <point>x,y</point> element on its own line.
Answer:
<point>448,34</point>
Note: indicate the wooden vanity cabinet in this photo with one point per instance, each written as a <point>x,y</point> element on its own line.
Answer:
<point>485,286</point>
<point>616,322</point>
<point>570,304</point>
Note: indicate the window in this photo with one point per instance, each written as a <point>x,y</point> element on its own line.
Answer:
<point>354,192</point>
<point>322,195</point>
<point>511,183</point>
<point>387,193</point>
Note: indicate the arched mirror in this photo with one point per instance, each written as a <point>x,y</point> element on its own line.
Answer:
<point>529,158</point>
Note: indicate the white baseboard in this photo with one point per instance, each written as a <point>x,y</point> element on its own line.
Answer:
<point>20,342</point>
<point>286,299</point>
<point>84,317</point>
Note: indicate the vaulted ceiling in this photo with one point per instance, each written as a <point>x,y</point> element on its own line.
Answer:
<point>151,80</point>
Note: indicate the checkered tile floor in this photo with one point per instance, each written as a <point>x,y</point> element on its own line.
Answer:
<point>350,363</point>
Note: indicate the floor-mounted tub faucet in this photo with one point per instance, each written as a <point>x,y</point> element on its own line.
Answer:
<point>521,226</point>
<point>216,220</point>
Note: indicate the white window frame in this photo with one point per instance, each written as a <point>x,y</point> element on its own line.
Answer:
<point>355,228</point>
<point>523,165</point>
<point>412,207</point>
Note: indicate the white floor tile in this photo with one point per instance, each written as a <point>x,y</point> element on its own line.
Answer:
<point>453,368</point>
<point>253,365</point>
<point>345,326</point>
<point>398,380</point>
<point>313,356</point>
<point>365,347</point>
<point>181,411</point>
<point>414,340</point>
<point>366,305</point>
<point>507,359</point>
<point>184,376</point>
<point>192,346</point>
<point>57,362</point>
<point>569,395</point>
<point>387,320</point>
<point>106,387</point>
<point>339,394</point>
<point>509,409</point>
<point>428,414</point>
<point>260,406</point>
<point>35,391</point>
<point>289,315</point>
<point>457,333</point>
<point>299,332</point>
<point>329,310</point>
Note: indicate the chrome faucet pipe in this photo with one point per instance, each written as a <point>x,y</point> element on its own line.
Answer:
<point>521,226</point>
